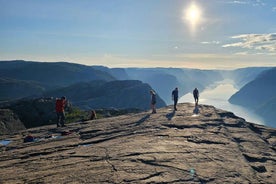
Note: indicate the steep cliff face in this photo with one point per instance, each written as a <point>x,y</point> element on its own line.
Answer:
<point>242,76</point>
<point>213,146</point>
<point>260,96</point>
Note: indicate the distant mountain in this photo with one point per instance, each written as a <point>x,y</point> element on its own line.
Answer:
<point>101,94</point>
<point>50,75</point>
<point>86,86</point>
<point>151,76</point>
<point>19,79</point>
<point>118,73</point>
<point>164,80</point>
<point>243,76</point>
<point>259,95</point>
<point>201,78</point>
<point>33,78</point>
<point>160,81</point>
<point>12,89</point>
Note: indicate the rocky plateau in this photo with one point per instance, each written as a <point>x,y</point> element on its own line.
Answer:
<point>211,146</point>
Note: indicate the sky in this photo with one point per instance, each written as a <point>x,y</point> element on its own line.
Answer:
<point>204,34</point>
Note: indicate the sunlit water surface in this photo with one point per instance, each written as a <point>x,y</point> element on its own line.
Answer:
<point>218,95</point>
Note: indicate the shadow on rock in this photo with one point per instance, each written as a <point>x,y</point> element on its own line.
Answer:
<point>196,110</point>
<point>143,119</point>
<point>169,116</point>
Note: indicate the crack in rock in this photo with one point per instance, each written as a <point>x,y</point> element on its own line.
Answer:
<point>259,169</point>
<point>146,178</point>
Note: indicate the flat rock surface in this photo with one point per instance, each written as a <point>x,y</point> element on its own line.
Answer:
<point>213,146</point>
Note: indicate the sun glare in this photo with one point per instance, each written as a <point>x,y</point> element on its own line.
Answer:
<point>192,15</point>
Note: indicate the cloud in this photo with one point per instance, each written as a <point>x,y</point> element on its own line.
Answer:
<point>274,8</point>
<point>241,53</point>
<point>238,2</point>
<point>248,2</point>
<point>264,42</point>
<point>211,42</point>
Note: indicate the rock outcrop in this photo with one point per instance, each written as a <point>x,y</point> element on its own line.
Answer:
<point>9,122</point>
<point>34,112</point>
<point>213,146</point>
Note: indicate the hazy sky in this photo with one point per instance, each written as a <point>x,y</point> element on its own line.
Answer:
<point>142,33</point>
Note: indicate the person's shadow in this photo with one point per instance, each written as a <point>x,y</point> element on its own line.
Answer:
<point>169,116</point>
<point>196,110</point>
<point>143,119</point>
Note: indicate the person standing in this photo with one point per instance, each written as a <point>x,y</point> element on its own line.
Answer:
<point>175,97</point>
<point>93,115</point>
<point>153,101</point>
<point>60,105</point>
<point>196,95</point>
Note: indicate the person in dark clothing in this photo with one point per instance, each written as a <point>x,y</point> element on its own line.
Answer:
<point>93,115</point>
<point>196,95</point>
<point>153,101</point>
<point>175,98</point>
<point>60,105</point>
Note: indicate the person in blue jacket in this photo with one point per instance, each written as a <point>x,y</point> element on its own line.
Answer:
<point>196,95</point>
<point>175,97</point>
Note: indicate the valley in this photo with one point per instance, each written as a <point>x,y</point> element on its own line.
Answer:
<point>218,94</point>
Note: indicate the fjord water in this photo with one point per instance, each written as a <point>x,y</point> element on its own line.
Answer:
<point>218,94</point>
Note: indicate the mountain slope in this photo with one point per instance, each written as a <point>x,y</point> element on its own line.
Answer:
<point>51,74</point>
<point>100,94</point>
<point>267,111</point>
<point>164,80</point>
<point>61,74</point>
<point>212,147</point>
<point>259,95</point>
<point>243,76</point>
<point>12,89</point>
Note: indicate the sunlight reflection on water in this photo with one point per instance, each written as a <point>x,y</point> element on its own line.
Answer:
<point>218,95</point>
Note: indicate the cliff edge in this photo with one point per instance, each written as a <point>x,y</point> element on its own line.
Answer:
<point>213,146</point>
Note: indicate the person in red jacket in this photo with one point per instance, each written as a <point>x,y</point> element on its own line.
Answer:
<point>60,105</point>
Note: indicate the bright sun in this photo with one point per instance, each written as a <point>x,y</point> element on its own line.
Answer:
<point>192,15</point>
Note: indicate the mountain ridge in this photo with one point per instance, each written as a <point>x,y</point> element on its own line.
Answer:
<point>54,75</point>
<point>29,79</point>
